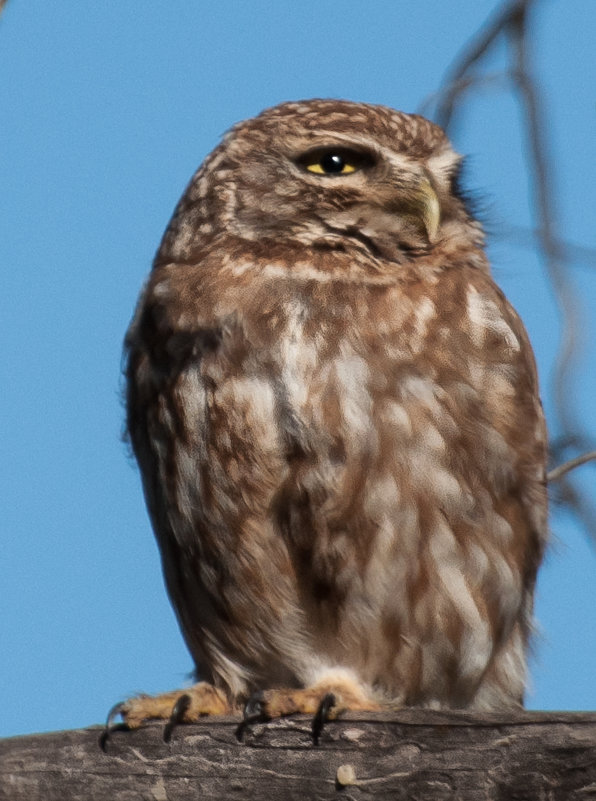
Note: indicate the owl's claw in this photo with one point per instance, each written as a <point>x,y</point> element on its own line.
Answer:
<point>254,708</point>
<point>322,716</point>
<point>253,712</point>
<point>110,726</point>
<point>179,709</point>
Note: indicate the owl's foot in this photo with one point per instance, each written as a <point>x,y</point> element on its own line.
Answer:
<point>201,699</point>
<point>325,701</point>
<point>178,706</point>
<point>348,693</point>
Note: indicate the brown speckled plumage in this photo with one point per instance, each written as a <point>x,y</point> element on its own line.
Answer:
<point>336,416</point>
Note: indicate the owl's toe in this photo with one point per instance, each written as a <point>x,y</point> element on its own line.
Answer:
<point>179,706</point>
<point>337,692</point>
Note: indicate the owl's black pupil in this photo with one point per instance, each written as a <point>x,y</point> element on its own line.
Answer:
<point>332,162</point>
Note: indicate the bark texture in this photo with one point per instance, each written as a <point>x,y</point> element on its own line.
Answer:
<point>410,754</point>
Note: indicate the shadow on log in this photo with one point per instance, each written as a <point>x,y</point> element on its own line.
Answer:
<point>410,754</point>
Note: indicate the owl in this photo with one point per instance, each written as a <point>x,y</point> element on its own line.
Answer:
<point>336,416</point>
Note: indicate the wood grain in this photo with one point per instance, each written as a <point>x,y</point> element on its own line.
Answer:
<point>411,754</point>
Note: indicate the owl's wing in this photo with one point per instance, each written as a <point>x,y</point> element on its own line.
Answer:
<point>204,422</point>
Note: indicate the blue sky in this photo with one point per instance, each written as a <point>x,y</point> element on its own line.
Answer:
<point>107,109</point>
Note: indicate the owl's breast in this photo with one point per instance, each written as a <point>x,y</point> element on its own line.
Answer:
<point>339,464</point>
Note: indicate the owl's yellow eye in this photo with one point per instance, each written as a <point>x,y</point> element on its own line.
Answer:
<point>331,164</point>
<point>334,161</point>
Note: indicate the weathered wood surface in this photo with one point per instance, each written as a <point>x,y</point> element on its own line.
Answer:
<point>411,754</point>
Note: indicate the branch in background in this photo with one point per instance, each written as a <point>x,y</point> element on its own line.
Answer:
<point>558,472</point>
<point>511,20</point>
<point>457,75</point>
<point>553,257</point>
<point>494,81</point>
<point>526,238</point>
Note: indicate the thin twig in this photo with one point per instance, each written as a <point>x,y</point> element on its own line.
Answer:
<point>526,238</point>
<point>495,81</point>
<point>475,50</point>
<point>567,496</point>
<point>558,472</point>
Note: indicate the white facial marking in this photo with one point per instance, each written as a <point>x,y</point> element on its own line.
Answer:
<point>442,164</point>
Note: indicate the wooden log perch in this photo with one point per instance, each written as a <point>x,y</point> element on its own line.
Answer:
<point>417,755</point>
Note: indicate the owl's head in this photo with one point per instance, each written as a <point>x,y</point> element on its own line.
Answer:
<point>327,174</point>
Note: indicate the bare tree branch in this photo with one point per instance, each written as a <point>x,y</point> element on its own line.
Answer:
<point>511,20</point>
<point>410,753</point>
<point>462,84</point>
<point>526,238</point>
<point>558,472</point>
<point>457,76</point>
<point>552,254</point>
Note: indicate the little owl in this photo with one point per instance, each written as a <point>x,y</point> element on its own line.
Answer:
<point>336,416</point>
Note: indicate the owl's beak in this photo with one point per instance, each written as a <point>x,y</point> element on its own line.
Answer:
<point>430,209</point>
